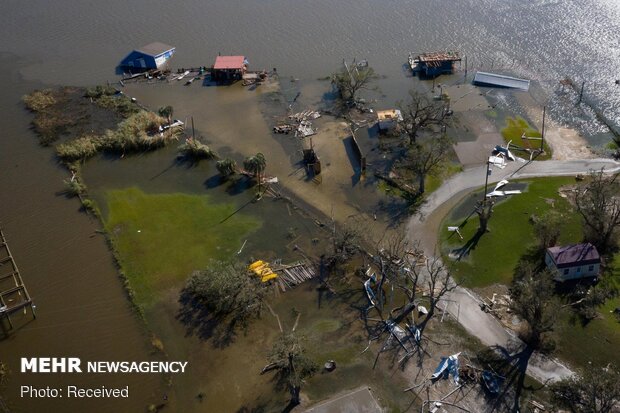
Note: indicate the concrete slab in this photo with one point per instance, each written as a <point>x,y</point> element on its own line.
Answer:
<point>360,400</point>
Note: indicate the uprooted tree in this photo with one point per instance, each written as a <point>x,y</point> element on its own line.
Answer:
<point>421,112</point>
<point>351,79</point>
<point>288,356</point>
<point>595,390</point>
<point>598,202</point>
<point>226,167</point>
<point>224,294</point>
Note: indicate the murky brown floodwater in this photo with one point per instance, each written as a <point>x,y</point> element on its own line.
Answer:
<point>81,307</point>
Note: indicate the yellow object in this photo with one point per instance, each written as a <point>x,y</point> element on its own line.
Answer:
<point>261,268</point>
<point>269,276</point>
<point>257,264</point>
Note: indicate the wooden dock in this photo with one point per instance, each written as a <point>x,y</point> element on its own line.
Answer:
<point>291,275</point>
<point>13,293</point>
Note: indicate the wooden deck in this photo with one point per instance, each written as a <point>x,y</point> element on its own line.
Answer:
<point>291,275</point>
<point>13,293</point>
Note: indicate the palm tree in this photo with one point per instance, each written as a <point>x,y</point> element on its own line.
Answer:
<point>226,167</point>
<point>166,112</point>
<point>255,165</point>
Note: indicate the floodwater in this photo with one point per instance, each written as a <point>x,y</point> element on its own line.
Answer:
<point>82,310</point>
<point>66,265</point>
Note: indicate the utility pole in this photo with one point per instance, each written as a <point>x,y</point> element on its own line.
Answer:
<point>465,69</point>
<point>542,134</point>
<point>581,93</point>
<point>486,182</point>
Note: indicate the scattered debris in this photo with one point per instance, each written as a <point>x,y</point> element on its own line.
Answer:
<point>306,115</point>
<point>388,119</point>
<point>305,129</point>
<point>498,161</point>
<point>458,232</point>
<point>497,192</point>
<point>283,129</point>
<point>294,274</point>
<point>372,298</point>
<point>262,269</point>
<point>330,365</point>
<point>448,366</point>
<point>491,382</point>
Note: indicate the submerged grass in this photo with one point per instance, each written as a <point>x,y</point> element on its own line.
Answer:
<point>161,238</point>
<point>510,234</point>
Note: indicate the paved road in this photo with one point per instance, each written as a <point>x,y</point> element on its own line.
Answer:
<point>425,227</point>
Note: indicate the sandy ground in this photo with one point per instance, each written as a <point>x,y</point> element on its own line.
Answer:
<point>565,143</point>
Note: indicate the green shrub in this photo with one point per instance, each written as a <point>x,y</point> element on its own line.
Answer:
<point>193,148</point>
<point>39,100</point>
<point>78,149</point>
<point>74,187</point>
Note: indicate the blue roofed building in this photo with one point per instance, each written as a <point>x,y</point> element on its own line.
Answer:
<point>152,56</point>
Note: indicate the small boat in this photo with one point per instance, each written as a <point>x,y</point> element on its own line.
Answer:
<point>370,293</point>
<point>491,382</point>
<point>189,82</point>
<point>183,75</point>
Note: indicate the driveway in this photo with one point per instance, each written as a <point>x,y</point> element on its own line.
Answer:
<point>425,226</point>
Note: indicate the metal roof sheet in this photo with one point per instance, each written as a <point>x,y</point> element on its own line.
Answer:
<point>155,48</point>
<point>574,254</point>
<point>492,79</point>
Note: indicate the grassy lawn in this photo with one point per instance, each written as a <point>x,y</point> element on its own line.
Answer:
<point>598,340</point>
<point>514,130</point>
<point>496,254</point>
<point>446,171</point>
<point>162,238</point>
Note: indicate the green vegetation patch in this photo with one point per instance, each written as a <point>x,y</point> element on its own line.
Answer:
<point>161,238</point>
<point>514,130</point>
<point>434,181</point>
<point>601,336</point>
<point>494,257</point>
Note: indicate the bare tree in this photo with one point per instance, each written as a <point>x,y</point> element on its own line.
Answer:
<point>533,300</point>
<point>596,390</point>
<point>425,158</point>
<point>352,79</point>
<point>438,281</point>
<point>419,113</point>
<point>484,210</point>
<point>547,229</point>
<point>598,203</point>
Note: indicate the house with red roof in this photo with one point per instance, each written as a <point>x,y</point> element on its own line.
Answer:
<point>573,262</point>
<point>229,68</point>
